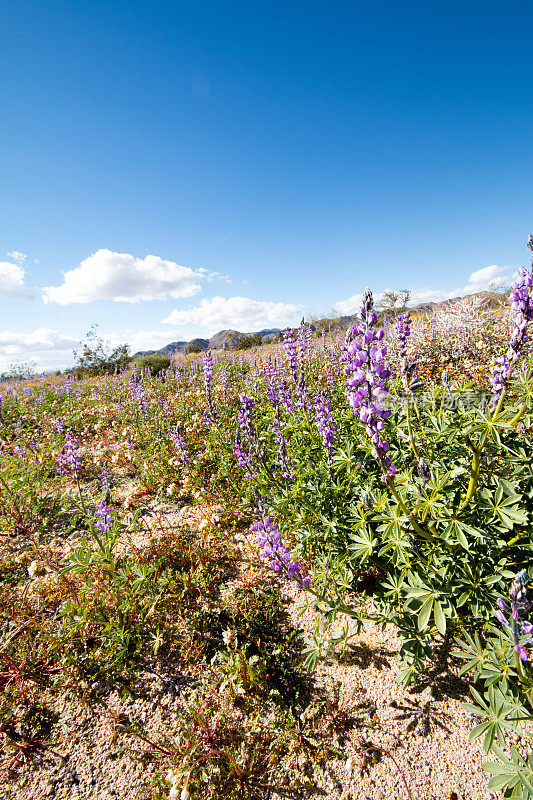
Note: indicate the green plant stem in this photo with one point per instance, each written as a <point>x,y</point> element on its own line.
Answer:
<point>518,415</point>
<point>429,534</point>
<point>476,459</point>
<point>474,474</point>
<point>80,495</point>
<point>410,430</point>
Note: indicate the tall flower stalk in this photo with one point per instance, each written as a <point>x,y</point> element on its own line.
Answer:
<point>69,460</point>
<point>521,313</point>
<point>245,448</point>
<point>402,329</point>
<point>181,446</point>
<point>325,423</point>
<point>366,381</point>
<point>517,607</point>
<point>367,391</point>
<point>208,384</point>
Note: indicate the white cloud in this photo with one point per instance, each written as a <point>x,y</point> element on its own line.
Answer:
<point>240,313</point>
<point>12,281</point>
<point>491,278</point>
<point>45,346</point>
<point>121,277</point>
<point>20,258</point>
<point>349,306</point>
<point>49,349</point>
<point>143,340</point>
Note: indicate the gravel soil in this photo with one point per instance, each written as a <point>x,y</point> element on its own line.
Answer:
<point>403,744</point>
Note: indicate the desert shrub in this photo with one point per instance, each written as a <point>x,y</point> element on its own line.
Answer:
<point>155,362</point>
<point>246,342</point>
<point>460,338</point>
<point>97,357</point>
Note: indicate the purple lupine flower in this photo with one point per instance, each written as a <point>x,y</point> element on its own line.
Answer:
<point>137,390</point>
<point>291,351</point>
<point>498,376</point>
<point>304,339</point>
<point>285,396</point>
<point>141,398</point>
<point>104,509</point>
<point>208,382</point>
<point>105,477</point>
<point>133,380</point>
<point>69,459</point>
<point>274,551</point>
<point>20,451</point>
<point>104,513</point>
<point>245,448</point>
<point>325,422</point>
<point>521,297</point>
<point>273,392</point>
<point>245,416</point>
<point>224,381</point>
<point>302,394</point>
<point>181,447</point>
<point>285,462</point>
<point>366,376</point>
<point>518,607</point>
<point>403,331</point>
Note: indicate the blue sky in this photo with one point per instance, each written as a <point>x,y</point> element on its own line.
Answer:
<point>271,159</point>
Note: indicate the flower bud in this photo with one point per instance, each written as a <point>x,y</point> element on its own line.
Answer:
<point>423,471</point>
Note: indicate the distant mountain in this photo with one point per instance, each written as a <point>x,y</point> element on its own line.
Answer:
<point>493,299</point>
<point>223,340</point>
<point>229,338</point>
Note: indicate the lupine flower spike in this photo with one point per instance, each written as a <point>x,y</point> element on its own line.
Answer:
<point>69,459</point>
<point>366,376</point>
<point>325,423</point>
<point>518,607</point>
<point>274,551</point>
<point>521,314</point>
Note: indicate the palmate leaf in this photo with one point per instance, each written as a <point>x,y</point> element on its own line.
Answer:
<point>429,603</point>
<point>504,509</point>
<point>496,712</point>
<point>515,774</point>
<point>473,654</point>
<point>363,545</point>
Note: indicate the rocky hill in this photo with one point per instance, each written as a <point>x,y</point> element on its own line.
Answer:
<point>223,340</point>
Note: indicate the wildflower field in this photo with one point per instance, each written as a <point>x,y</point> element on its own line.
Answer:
<point>386,474</point>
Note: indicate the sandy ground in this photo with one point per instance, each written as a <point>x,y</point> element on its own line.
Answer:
<point>404,743</point>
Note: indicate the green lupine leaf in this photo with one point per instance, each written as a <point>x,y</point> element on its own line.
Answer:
<point>525,780</point>
<point>440,618</point>
<point>496,768</point>
<point>425,613</point>
<point>498,782</point>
